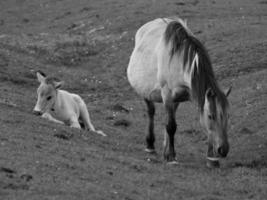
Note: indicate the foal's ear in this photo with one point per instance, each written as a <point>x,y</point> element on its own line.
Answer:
<point>58,84</point>
<point>40,76</point>
<point>228,91</point>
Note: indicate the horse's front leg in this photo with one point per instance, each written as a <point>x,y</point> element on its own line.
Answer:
<point>150,136</point>
<point>169,150</point>
<point>171,126</point>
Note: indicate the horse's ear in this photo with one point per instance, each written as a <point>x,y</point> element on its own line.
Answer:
<point>40,76</point>
<point>228,91</point>
<point>58,84</point>
<point>209,93</point>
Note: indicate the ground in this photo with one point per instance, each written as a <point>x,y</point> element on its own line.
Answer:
<point>87,43</point>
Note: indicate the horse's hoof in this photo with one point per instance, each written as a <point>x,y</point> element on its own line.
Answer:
<point>174,162</point>
<point>152,160</point>
<point>213,164</point>
<point>150,150</point>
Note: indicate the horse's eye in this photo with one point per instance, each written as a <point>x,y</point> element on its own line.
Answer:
<point>48,98</point>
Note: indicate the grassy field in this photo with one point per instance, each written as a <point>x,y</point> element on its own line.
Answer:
<point>87,44</point>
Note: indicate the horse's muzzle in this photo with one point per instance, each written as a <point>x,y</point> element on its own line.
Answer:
<point>38,113</point>
<point>223,151</point>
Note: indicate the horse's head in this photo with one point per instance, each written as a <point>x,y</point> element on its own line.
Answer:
<point>214,119</point>
<point>46,93</point>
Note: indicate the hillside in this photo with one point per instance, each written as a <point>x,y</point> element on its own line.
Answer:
<point>87,44</point>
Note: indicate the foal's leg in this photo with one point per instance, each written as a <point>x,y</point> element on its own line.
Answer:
<point>150,137</point>
<point>49,117</point>
<point>75,124</point>
<point>85,116</point>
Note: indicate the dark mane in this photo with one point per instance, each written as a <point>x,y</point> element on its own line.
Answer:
<point>202,77</point>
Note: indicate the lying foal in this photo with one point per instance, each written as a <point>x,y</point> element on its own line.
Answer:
<point>61,106</point>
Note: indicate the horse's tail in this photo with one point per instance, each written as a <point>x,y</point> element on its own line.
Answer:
<point>182,40</point>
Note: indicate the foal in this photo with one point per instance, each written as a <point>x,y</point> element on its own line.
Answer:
<point>61,106</point>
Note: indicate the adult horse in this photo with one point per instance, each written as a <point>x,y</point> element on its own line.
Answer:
<point>170,65</point>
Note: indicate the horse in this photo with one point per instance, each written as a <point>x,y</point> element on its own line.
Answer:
<point>61,106</point>
<point>170,65</point>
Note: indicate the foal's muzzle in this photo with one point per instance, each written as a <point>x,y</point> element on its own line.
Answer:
<point>36,112</point>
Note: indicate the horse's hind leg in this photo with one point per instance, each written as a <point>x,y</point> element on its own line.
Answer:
<point>150,137</point>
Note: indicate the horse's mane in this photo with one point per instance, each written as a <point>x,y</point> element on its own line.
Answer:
<point>202,77</point>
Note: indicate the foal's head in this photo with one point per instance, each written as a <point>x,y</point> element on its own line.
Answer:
<point>214,118</point>
<point>46,93</point>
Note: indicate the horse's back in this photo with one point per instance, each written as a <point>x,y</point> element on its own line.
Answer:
<point>142,69</point>
<point>152,67</point>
